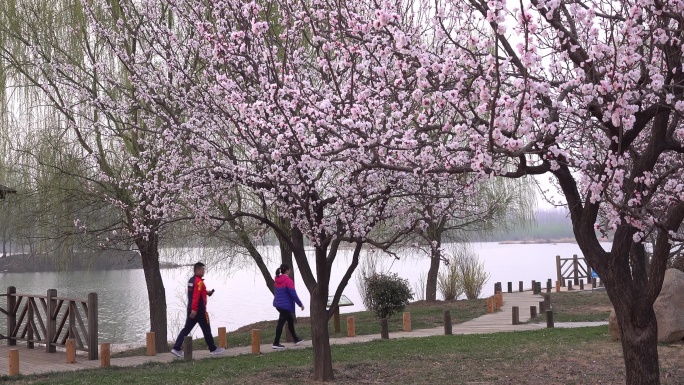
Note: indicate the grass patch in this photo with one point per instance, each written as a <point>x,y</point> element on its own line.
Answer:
<point>424,315</point>
<point>579,306</point>
<point>554,356</point>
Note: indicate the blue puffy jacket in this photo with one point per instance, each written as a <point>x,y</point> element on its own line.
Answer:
<point>284,293</point>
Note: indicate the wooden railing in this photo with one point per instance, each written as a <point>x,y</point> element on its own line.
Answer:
<point>51,320</point>
<point>572,268</point>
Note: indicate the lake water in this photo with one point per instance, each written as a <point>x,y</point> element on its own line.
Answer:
<point>241,296</point>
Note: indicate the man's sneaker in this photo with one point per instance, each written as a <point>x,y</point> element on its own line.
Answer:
<point>278,347</point>
<point>218,352</point>
<point>299,341</point>
<point>177,353</point>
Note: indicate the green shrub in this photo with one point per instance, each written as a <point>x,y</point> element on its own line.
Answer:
<point>471,271</point>
<point>449,282</point>
<point>386,294</point>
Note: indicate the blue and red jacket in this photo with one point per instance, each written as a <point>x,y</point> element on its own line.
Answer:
<point>197,295</point>
<point>284,294</point>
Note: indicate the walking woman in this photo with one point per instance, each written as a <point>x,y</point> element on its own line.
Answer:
<point>284,300</point>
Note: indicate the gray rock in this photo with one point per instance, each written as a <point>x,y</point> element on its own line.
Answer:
<point>613,327</point>
<point>669,307</point>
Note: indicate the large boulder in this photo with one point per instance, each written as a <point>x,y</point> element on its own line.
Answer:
<point>613,326</point>
<point>668,307</point>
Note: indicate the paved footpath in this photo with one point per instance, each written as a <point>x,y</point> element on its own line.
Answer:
<point>36,361</point>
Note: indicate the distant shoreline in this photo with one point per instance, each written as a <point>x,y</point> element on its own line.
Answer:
<point>546,241</point>
<point>102,261</point>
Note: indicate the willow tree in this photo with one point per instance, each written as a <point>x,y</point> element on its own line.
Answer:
<point>496,205</point>
<point>50,51</point>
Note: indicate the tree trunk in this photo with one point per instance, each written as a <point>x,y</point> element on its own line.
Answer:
<point>156,294</point>
<point>432,275</point>
<point>639,346</point>
<point>384,329</point>
<point>320,337</point>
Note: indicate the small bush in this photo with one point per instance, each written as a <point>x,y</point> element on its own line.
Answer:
<point>471,271</point>
<point>449,282</point>
<point>386,294</point>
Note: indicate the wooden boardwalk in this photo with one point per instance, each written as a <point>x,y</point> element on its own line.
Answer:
<point>37,361</point>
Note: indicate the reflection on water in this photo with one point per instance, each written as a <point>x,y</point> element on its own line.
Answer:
<point>242,297</point>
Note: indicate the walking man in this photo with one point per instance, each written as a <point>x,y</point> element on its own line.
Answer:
<point>197,313</point>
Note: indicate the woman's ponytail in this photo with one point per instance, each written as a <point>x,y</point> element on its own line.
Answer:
<point>282,269</point>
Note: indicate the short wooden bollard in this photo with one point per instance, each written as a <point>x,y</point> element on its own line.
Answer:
<point>581,284</point>
<point>256,341</point>
<point>510,287</point>
<point>547,302</point>
<point>447,323</point>
<point>549,318</point>
<point>533,312</point>
<point>539,288</point>
<point>490,305</point>
<point>520,286</point>
<point>516,315</point>
<point>542,307</point>
<point>558,286</point>
<point>534,287</point>
<point>499,300</point>
<point>13,362</point>
<point>351,328</point>
<point>548,286</point>
<point>222,337</point>
<point>593,283</point>
<point>187,348</point>
<point>70,351</point>
<point>570,285</point>
<point>151,347</point>
<point>105,355</point>
<point>407,321</point>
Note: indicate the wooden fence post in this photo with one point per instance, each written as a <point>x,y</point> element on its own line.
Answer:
<point>499,301</point>
<point>593,283</point>
<point>570,285</point>
<point>549,318</point>
<point>520,286</point>
<point>516,315</point>
<point>151,347</point>
<point>490,305</point>
<point>222,337</point>
<point>13,362</point>
<point>92,326</point>
<point>187,348</point>
<point>581,284</point>
<point>534,287</point>
<point>575,267</point>
<point>105,355</point>
<point>547,302</point>
<point>70,351</point>
<point>510,287</point>
<point>407,321</point>
<point>351,328</point>
<point>12,316</point>
<point>558,286</point>
<point>548,286</point>
<point>542,307</point>
<point>256,341</point>
<point>29,322</point>
<point>539,289</point>
<point>447,323</point>
<point>533,312</point>
<point>51,321</point>
<point>559,273</point>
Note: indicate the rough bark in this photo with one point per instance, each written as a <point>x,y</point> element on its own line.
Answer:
<point>432,276</point>
<point>156,293</point>
<point>320,336</point>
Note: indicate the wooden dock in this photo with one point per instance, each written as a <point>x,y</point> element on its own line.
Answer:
<point>37,361</point>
